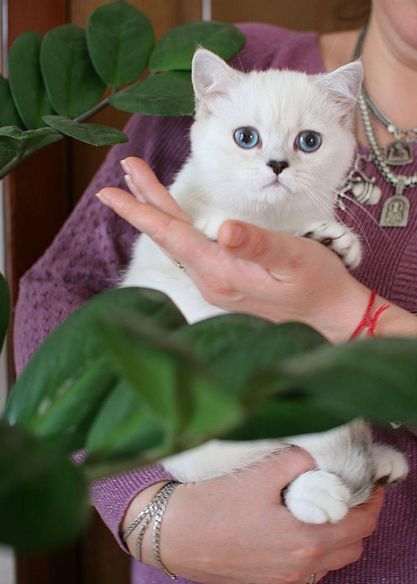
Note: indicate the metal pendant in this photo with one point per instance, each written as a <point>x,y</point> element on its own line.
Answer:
<point>395,212</point>
<point>366,191</point>
<point>398,153</point>
<point>396,209</point>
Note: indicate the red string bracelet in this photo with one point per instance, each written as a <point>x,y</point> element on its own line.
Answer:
<point>369,320</point>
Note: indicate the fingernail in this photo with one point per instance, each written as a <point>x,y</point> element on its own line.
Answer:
<point>125,165</point>
<point>132,188</point>
<point>103,197</point>
<point>235,236</point>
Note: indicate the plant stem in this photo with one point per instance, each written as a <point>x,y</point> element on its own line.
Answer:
<point>26,153</point>
<point>94,110</point>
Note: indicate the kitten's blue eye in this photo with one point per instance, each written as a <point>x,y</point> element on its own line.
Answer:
<point>246,137</point>
<point>308,141</point>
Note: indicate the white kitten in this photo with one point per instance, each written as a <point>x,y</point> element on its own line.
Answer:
<point>271,148</point>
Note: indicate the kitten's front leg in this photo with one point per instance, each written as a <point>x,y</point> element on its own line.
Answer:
<point>338,238</point>
<point>210,225</point>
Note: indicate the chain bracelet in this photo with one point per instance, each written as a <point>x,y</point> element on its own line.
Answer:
<point>150,508</point>
<point>154,510</point>
<point>156,529</point>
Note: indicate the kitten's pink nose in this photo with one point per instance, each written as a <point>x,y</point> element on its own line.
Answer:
<point>277,165</point>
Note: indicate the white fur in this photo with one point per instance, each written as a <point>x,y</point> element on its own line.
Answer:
<point>221,181</point>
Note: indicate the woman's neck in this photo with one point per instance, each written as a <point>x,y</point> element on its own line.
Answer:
<point>390,72</point>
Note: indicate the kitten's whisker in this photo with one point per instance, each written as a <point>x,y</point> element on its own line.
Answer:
<point>357,222</point>
<point>363,208</point>
<point>330,208</point>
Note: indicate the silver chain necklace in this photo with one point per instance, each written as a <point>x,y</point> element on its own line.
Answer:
<point>409,135</point>
<point>398,152</point>
<point>396,208</point>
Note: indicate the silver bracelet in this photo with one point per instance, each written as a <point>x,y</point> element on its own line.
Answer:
<point>151,508</point>
<point>156,531</point>
<point>155,509</point>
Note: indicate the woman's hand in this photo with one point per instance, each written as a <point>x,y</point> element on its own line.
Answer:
<point>272,275</point>
<point>235,529</point>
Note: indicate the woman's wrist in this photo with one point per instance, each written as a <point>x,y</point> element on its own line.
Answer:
<point>395,322</point>
<point>342,311</point>
<point>386,319</point>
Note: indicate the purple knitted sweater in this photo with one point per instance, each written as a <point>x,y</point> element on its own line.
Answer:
<point>87,255</point>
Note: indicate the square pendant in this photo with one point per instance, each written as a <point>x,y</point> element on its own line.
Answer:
<point>398,153</point>
<point>395,212</point>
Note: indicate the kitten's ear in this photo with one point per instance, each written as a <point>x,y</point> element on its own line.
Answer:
<point>344,84</point>
<point>211,76</point>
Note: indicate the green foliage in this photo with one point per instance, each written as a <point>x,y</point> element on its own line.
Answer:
<point>176,49</point>
<point>43,496</point>
<point>94,134</point>
<point>10,149</point>
<point>68,378</point>
<point>127,379</point>
<point>72,84</point>
<point>164,94</point>
<point>25,78</point>
<point>120,41</point>
<point>8,112</point>
<point>376,379</point>
<point>67,72</point>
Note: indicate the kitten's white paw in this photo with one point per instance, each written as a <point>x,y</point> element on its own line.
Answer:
<point>318,496</point>
<point>338,238</point>
<point>390,465</point>
<point>210,226</point>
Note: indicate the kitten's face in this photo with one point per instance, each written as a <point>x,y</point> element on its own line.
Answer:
<point>271,137</point>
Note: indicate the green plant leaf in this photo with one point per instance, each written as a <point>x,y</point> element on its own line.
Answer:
<point>94,134</point>
<point>36,139</point>
<point>4,309</point>
<point>150,361</point>
<point>123,427</point>
<point>47,396</point>
<point>25,78</point>
<point>73,85</point>
<point>10,148</point>
<point>373,378</point>
<point>43,496</point>
<point>11,132</point>
<point>75,406</point>
<point>120,40</point>
<point>287,417</point>
<point>214,412</point>
<point>245,352</point>
<point>165,404</point>
<point>8,111</point>
<point>176,49</point>
<point>164,94</point>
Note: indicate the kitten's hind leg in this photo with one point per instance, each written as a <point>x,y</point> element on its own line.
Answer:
<point>318,496</point>
<point>390,465</point>
<point>338,238</point>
